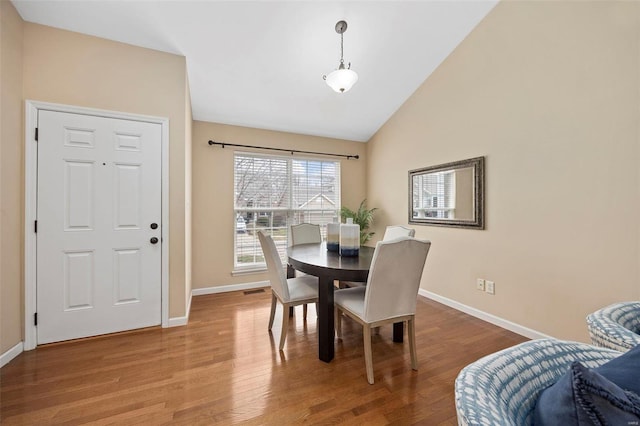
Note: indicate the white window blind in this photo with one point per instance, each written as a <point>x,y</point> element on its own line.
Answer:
<point>272,193</point>
<point>434,195</point>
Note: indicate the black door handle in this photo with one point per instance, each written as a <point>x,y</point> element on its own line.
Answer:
<point>153,240</point>
<point>154,226</point>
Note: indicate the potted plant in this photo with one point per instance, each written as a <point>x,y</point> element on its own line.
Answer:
<point>363,217</point>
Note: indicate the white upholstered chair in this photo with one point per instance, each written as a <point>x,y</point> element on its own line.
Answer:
<point>391,233</point>
<point>305,233</point>
<point>289,291</point>
<point>390,294</point>
<point>397,231</point>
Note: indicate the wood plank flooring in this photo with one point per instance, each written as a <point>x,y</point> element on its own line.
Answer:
<point>224,368</point>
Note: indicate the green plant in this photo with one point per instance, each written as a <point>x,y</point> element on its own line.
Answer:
<point>363,217</point>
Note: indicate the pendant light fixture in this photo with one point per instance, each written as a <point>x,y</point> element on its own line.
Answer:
<point>342,79</point>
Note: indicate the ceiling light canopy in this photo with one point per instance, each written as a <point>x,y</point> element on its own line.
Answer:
<point>342,79</point>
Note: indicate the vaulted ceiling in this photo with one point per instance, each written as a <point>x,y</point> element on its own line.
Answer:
<point>260,64</point>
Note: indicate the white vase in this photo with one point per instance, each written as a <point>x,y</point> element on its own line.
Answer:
<point>349,238</point>
<point>333,237</point>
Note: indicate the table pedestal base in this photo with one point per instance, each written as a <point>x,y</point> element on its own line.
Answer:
<point>326,330</point>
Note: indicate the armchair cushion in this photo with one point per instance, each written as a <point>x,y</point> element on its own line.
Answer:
<point>604,395</point>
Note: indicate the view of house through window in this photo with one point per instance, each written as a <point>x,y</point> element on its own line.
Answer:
<point>434,195</point>
<point>272,193</point>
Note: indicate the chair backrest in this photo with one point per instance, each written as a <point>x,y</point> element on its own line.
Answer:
<point>305,233</point>
<point>394,278</point>
<point>277,275</point>
<point>397,231</point>
<point>615,326</point>
<point>502,388</point>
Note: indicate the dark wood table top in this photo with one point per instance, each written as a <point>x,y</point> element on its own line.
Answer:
<point>316,260</point>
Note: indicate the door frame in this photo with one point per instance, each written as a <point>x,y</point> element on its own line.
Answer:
<point>30,205</point>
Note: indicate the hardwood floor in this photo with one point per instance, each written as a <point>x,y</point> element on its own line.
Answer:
<point>224,367</point>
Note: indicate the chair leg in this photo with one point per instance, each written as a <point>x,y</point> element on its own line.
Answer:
<point>368,357</point>
<point>304,312</point>
<point>273,310</point>
<point>285,326</point>
<point>338,321</point>
<point>411,331</point>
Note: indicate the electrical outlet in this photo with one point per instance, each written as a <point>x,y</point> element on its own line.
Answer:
<point>480,284</point>
<point>490,287</point>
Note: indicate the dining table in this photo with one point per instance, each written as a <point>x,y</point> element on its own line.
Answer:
<point>314,259</point>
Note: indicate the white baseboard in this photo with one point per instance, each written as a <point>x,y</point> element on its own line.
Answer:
<point>490,318</point>
<point>228,288</point>
<point>6,357</point>
<point>179,321</point>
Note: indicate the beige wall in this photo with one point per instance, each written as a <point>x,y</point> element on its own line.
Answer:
<point>11,193</point>
<point>549,93</point>
<point>75,69</point>
<point>213,217</point>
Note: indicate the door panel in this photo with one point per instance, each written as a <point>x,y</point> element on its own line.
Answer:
<point>78,280</point>
<point>127,196</point>
<point>127,271</point>
<point>99,189</point>
<point>79,190</point>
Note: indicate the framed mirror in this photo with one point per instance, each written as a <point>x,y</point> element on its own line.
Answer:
<point>449,194</point>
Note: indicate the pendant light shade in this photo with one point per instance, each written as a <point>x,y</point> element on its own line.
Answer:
<point>342,79</point>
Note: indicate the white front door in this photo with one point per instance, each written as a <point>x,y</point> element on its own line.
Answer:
<point>98,225</point>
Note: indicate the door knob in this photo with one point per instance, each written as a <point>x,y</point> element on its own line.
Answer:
<point>154,226</point>
<point>153,240</point>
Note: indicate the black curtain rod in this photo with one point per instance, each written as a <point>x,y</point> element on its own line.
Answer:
<point>292,151</point>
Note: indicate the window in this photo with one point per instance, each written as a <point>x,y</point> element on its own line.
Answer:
<point>272,193</point>
<point>434,195</point>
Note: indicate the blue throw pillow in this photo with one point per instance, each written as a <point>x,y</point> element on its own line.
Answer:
<point>607,395</point>
<point>624,370</point>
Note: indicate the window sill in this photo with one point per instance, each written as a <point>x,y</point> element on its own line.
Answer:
<point>248,271</point>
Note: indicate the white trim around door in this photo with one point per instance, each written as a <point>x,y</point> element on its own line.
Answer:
<point>31,169</point>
